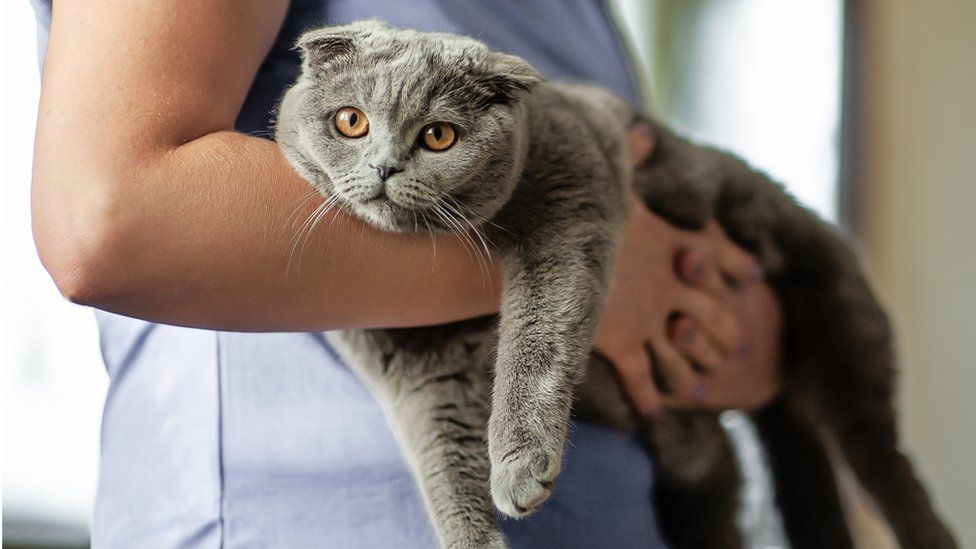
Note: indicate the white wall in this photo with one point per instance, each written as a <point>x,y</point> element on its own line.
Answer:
<point>53,379</point>
<point>760,78</point>
<point>919,219</point>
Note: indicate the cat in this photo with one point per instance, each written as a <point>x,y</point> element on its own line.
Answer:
<point>459,135</point>
<point>416,131</point>
<point>838,368</point>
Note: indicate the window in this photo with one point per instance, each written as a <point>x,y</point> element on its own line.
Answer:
<point>761,78</point>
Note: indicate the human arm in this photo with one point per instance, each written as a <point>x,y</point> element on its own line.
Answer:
<point>146,202</point>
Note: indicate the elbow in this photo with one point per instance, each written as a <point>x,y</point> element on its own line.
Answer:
<point>78,240</point>
<point>79,275</point>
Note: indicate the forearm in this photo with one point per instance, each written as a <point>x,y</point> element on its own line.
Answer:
<point>145,203</point>
<point>210,234</point>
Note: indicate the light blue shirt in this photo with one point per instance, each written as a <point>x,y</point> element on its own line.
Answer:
<point>215,439</point>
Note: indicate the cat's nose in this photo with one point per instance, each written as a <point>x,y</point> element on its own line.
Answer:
<point>386,171</point>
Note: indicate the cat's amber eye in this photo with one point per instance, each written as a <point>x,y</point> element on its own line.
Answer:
<point>351,122</point>
<point>438,136</point>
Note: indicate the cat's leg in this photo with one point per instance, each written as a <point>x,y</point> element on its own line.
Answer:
<point>806,489</point>
<point>841,373</point>
<point>838,355</point>
<point>441,423</point>
<point>553,295</point>
<point>696,486</point>
<point>696,479</point>
<point>436,400</point>
<point>864,426</point>
<point>859,414</point>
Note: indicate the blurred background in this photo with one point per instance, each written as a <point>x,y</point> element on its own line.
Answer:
<point>865,109</point>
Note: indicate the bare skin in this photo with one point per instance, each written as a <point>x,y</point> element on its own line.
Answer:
<point>145,202</point>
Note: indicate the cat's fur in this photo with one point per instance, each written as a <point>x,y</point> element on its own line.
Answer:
<point>541,170</point>
<point>549,169</point>
<point>838,367</point>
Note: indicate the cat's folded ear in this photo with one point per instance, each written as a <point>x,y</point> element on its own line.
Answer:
<point>510,77</point>
<point>322,46</point>
<point>329,44</point>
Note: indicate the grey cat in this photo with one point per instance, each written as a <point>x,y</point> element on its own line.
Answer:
<point>838,372</point>
<point>434,132</point>
<point>431,131</point>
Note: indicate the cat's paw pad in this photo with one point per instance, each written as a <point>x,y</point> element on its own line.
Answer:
<point>520,482</point>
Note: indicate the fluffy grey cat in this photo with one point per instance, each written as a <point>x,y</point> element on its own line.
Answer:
<point>426,131</point>
<point>434,132</point>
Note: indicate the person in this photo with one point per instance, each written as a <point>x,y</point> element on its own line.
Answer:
<point>158,199</point>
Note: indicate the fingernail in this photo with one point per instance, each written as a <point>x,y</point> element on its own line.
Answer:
<point>642,128</point>
<point>698,393</point>
<point>698,270</point>
<point>757,273</point>
<point>654,413</point>
<point>688,336</point>
<point>744,351</point>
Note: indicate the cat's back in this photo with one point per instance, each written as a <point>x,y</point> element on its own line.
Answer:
<point>577,129</point>
<point>577,166</point>
<point>568,121</point>
<point>602,111</point>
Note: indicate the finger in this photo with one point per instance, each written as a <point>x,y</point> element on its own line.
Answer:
<point>693,267</point>
<point>735,262</point>
<point>676,374</point>
<point>635,374</point>
<point>640,139</point>
<point>699,349</point>
<point>717,322</point>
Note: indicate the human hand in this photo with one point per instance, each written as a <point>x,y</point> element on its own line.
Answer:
<point>648,300</point>
<point>668,327</point>
<point>749,380</point>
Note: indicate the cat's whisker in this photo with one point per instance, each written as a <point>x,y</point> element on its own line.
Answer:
<point>308,231</point>
<point>482,237</point>
<point>484,258</point>
<point>453,228</point>
<point>298,235</point>
<point>433,242</point>
<point>305,223</point>
<point>480,218</point>
<point>318,219</point>
<point>301,202</point>
<point>452,212</point>
<point>335,213</point>
<point>465,238</point>
<point>305,230</point>
<point>447,214</point>
<point>311,229</point>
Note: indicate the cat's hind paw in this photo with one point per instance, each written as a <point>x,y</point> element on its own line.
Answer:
<point>522,481</point>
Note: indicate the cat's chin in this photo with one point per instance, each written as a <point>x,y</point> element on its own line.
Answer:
<point>387,216</point>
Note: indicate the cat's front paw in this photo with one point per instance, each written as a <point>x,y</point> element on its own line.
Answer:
<point>490,540</point>
<point>522,480</point>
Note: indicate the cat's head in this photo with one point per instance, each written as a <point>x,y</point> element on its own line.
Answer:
<point>407,127</point>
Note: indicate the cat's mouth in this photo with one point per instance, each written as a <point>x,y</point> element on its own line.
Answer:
<point>385,212</point>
